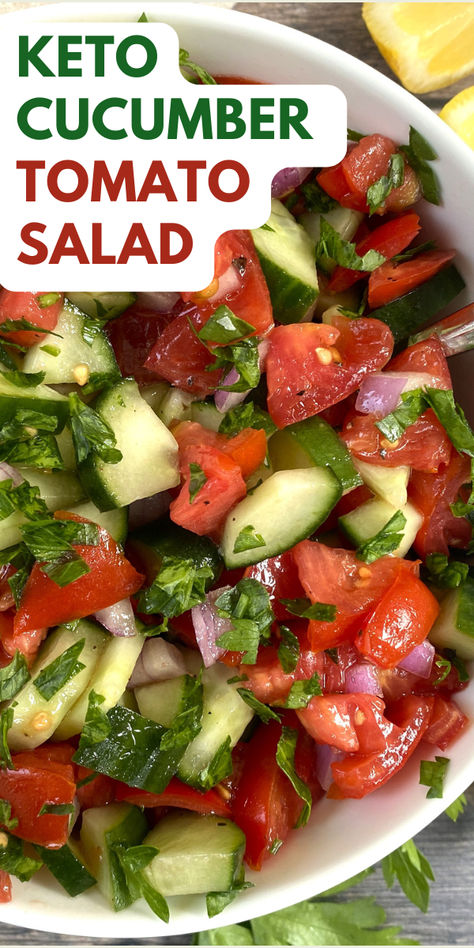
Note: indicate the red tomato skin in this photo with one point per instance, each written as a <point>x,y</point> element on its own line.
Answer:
<point>267,679</point>
<point>400,621</point>
<point>433,494</point>
<point>5,887</point>
<point>25,305</point>
<point>133,335</point>
<point>177,794</point>
<point>356,776</point>
<point>424,445</point>
<point>392,280</point>
<point>366,162</point>
<point>334,182</point>
<point>446,723</point>
<point>248,448</point>
<point>27,788</point>
<point>279,576</point>
<point>98,792</point>
<point>182,359</point>
<point>425,356</point>
<point>351,723</point>
<point>389,239</point>
<point>111,578</point>
<point>27,643</point>
<point>223,488</point>
<point>300,386</point>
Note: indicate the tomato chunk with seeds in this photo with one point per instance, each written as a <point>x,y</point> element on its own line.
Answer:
<point>352,723</point>
<point>423,446</point>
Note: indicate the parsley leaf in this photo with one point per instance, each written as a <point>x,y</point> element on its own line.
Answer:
<point>23,379</point>
<point>445,665</point>
<point>315,198</point>
<point>24,498</point>
<point>353,136</point>
<point>133,860</point>
<point>47,299</point>
<point>285,758</point>
<point>395,424</point>
<point>217,901</point>
<point>97,725</point>
<point>41,451</point>
<point>6,819</point>
<point>418,153</point>
<point>57,809</point>
<point>413,871</point>
<point>248,607</point>
<point>458,663</point>
<point>452,418</point>
<point>179,585</point>
<point>246,415</point>
<point>197,480</point>
<point>322,611</point>
<point>385,541</point>
<point>413,252</point>
<point>14,861</point>
<point>17,325</point>
<point>6,721</point>
<point>218,768</point>
<point>13,676</point>
<point>265,713</point>
<point>456,808</point>
<point>224,327</point>
<point>248,540</point>
<point>445,573</point>
<point>344,253</point>
<point>288,650</point>
<point>90,433</point>
<point>432,775</point>
<point>242,356</point>
<point>380,190</point>
<point>192,72</point>
<point>51,543</point>
<point>66,666</point>
<point>302,691</point>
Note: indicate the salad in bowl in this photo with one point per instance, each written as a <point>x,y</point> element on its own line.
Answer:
<point>234,545</point>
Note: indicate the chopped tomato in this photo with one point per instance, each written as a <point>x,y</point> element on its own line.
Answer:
<point>352,723</point>
<point>58,753</point>
<point>392,279</point>
<point>267,679</point>
<point>302,382</point>
<point>182,359</point>
<point>400,621</point>
<point>110,578</point>
<point>133,335</point>
<point>98,791</point>
<point>14,306</point>
<point>426,356</point>
<point>423,446</point>
<point>356,776</point>
<point>279,576</point>
<point>248,448</point>
<point>433,494</point>
<point>223,488</point>
<point>177,794</point>
<point>13,641</point>
<point>265,806</point>
<point>28,788</point>
<point>388,239</point>
<point>366,162</point>
<point>5,887</point>
<point>446,723</point>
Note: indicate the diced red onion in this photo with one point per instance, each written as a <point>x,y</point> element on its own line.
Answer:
<point>229,282</point>
<point>420,660</point>
<point>159,302</point>
<point>362,678</point>
<point>144,511</point>
<point>379,393</point>
<point>224,401</point>
<point>6,598</point>
<point>8,473</point>
<point>159,660</point>
<point>325,756</point>
<point>208,627</point>
<point>118,619</point>
<point>287,180</point>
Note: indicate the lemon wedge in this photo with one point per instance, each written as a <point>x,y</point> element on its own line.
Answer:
<point>458,113</point>
<point>428,45</point>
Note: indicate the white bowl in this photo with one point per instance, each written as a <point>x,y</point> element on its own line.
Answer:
<point>344,837</point>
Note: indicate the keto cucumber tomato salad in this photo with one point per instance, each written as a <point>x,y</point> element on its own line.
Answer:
<point>233,541</point>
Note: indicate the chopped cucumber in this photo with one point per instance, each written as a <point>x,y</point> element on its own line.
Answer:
<point>175,406</point>
<point>66,449</point>
<point>224,716</point>
<point>454,627</point>
<point>343,219</point>
<point>10,529</point>
<point>161,701</point>
<point>71,359</point>
<point>67,866</point>
<point>149,452</point>
<point>39,398</point>
<point>347,299</point>
<point>102,305</point>
<point>207,415</point>
<point>151,543</point>
<point>59,489</point>
<point>195,854</point>
<point>416,308</point>
<point>103,828</point>
<point>35,719</point>
<point>389,483</point>
<point>154,393</point>
<point>365,521</point>
<point>286,254</point>
<point>114,521</point>
<point>109,679</point>
<point>313,443</point>
<point>286,508</point>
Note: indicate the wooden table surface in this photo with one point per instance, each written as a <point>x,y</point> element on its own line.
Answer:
<point>448,846</point>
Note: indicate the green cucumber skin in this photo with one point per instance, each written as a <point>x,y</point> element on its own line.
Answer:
<point>102,829</point>
<point>290,299</point>
<point>413,310</point>
<point>10,404</point>
<point>324,448</point>
<point>69,871</point>
<point>111,304</point>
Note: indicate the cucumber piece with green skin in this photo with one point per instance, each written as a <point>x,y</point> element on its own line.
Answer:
<point>196,854</point>
<point>413,310</point>
<point>34,718</point>
<point>70,350</point>
<point>149,452</point>
<point>224,716</point>
<point>161,701</point>
<point>313,443</point>
<point>67,866</point>
<point>58,489</point>
<point>66,449</point>
<point>102,305</point>
<point>207,415</point>
<point>286,253</point>
<point>174,407</point>
<point>38,398</point>
<point>114,521</point>
<point>389,483</point>
<point>103,828</point>
<point>365,521</point>
<point>454,627</point>
<point>165,538</point>
<point>109,679</point>
<point>286,508</point>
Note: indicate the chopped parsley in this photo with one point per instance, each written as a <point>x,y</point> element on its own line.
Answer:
<point>343,252</point>
<point>385,541</point>
<point>246,415</point>
<point>197,479</point>
<point>321,611</point>
<point>265,713</point>
<point>179,585</point>
<point>192,71</point>
<point>419,153</point>
<point>432,775</point>
<point>224,327</point>
<point>13,676</point>
<point>247,605</point>
<point>66,666</point>
<point>288,650</point>
<point>90,433</point>
<point>302,691</point>
<point>248,539</point>
<point>445,573</point>
<point>285,758</point>
<point>380,190</point>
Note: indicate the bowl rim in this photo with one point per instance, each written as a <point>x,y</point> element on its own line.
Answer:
<point>134,922</point>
